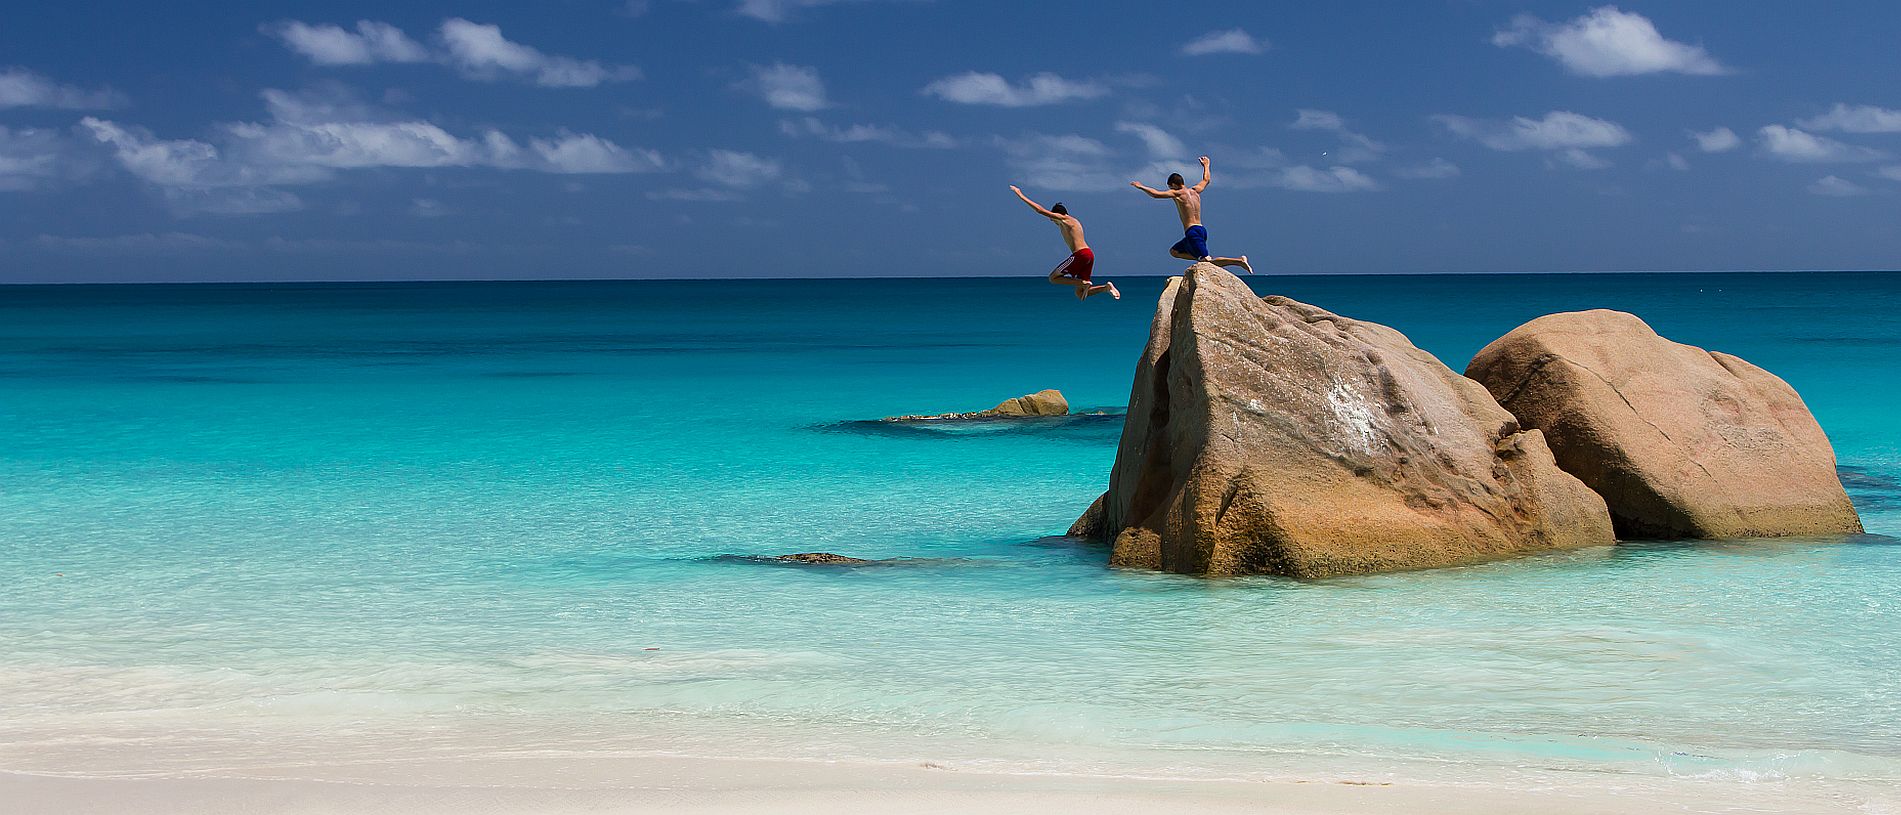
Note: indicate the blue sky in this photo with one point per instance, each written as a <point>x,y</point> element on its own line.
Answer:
<point>799,138</point>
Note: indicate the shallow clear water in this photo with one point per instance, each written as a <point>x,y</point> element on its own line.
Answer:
<point>283,523</point>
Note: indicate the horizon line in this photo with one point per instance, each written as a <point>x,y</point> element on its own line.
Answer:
<point>358,281</point>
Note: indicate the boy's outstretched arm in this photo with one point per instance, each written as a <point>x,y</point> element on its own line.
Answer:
<point>1033,205</point>
<point>1205,175</point>
<point>1153,192</point>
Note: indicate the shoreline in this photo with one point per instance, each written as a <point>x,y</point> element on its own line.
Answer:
<point>541,782</point>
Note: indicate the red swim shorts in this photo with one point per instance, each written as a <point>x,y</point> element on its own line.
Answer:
<point>1080,265</point>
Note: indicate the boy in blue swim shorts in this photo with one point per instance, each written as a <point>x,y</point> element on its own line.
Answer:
<point>1194,242</point>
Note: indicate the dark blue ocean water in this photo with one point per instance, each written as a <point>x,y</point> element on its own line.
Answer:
<point>303,520</point>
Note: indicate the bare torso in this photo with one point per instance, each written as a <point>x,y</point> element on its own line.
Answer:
<point>1072,232</point>
<point>1188,205</point>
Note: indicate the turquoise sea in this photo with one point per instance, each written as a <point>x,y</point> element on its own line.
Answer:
<point>270,525</point>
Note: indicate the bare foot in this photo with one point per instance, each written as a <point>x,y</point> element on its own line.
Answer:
<point>1245,265</point>
<point>1112,291</point>
<point>1082,292</point>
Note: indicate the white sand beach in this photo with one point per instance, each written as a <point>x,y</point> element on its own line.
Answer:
<point>555,785</point>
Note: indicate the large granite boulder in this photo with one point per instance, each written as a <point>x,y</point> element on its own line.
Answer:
<point>1268,436</point>
<point>1681,442</point>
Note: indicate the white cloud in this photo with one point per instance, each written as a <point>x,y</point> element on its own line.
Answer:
<point>862,133</point>
<point>1230,41</point>
<point>588,153</point>
<point>1437,168</point>
<point>974,88</point>
<point>21,88</point>
<point>789,87</point>
<point>777,11</point>
<point>1856,119</point>
<point>147,243</point>
<point>428,208</point>
<point>1580,159</point>
<point>1837,186</point>
<point>1160,143</point>
<point>481,52</point>
<point>1303,178</point>
<point>475,50</point>
<point>1720,140</point>
<point>740,170</point>
<point>309,138</point>
<point>144,243</point>
<point>1062,163</point>
<point>1676,161</point>
<point>1608,42</point>
<point>1892,173</point>
<point>1318,120</point>
<point>31,158</point>
<point>1558,130</point>
<point>372,42</point>
<point>1790,144</point>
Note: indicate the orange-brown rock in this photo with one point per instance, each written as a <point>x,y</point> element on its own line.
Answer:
<point>1681,442</point>
<point>1270,436</point>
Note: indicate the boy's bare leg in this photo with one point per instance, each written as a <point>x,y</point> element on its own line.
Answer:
<point>1063,280</point>
<point>1241,261</point>
<point>1095,290</point>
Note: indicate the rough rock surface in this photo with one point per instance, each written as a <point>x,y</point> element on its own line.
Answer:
<point>824,559</point>
<point>1681,442</point>
<point>1048,402</point>
<point>1270,436</point>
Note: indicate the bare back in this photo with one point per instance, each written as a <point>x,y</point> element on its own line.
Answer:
<point>1187,205</point>
<point>1072,231</point>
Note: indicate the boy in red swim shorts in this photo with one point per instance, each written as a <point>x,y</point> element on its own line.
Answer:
<point>1076,269</point>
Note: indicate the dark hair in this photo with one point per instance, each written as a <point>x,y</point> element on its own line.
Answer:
<point>1175,180</point>
<point>1060,209</point>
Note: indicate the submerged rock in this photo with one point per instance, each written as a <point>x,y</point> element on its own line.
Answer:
<point>1681,442</point>
<point>1270,436</point>
<point>1048,402</point>
<point>823,558</point>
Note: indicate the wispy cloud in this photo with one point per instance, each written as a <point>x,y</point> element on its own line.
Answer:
<point>1062,162</point>
<point>21,88</point>
<point>1608,42</point>
<point>1568,136</point>
<point>1791,144</point>
<point>1837,187</point>
<point>31,158</point>
<point>1161,144</point>
<point>308,139</point>
<point>788,87</point>
<point>1720,140</point>
<point>475,50</point>
<point>371,42</point>
<point>1230,41</point>
<point>481,52</point>
<point>740,170</point>
<point>1303,178</point>
<point>779,11</point>
<point>1437,168</point>
<point>1856,119</point>
<point>976,88</point>
<point>1354,147</point>
<point>813,127</point>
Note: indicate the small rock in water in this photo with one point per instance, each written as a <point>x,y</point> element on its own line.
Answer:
<point>1049,402</point>
<point>824,558</point>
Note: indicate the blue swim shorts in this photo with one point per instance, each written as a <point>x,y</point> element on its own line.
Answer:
<point>1194,242</point>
